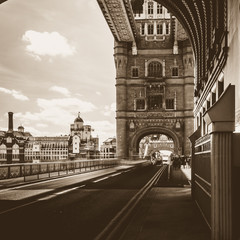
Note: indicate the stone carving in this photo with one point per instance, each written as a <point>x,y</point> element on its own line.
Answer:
<point>120,20</point>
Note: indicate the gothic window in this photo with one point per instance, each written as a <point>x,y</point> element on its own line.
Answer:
<point>150,29</point>
<point>140,104</point>
<point>159,28</point>
<point>170,103</point>
<point>167,28</point>
<point>220,88</point>
<point>208,104</point>
<point>159,9</point>
<point>213,97</point>
<point>155,69</point>
<point>155,102</point>
<point>15,151</point>
<point>3,151</point>
<point>150,8</point>
<point>142,28</point>
<point>175,71</point>
<point>134,72</point>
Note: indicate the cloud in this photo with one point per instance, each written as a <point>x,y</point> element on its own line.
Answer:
<point>60,112</point>
<point>16,94</point>
<point>104,129</point>
<point>69,104</point>
<point>47,44</point>
<point>109,109</point>
<point>35,132</point>
<point>61,90</point>
<point>42,125</point>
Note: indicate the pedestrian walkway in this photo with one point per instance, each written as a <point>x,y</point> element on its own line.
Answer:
<point>168,213</point>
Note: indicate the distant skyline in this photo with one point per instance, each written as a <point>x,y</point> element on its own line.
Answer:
<point>56,61</point>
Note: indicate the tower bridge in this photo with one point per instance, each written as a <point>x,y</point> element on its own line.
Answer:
<point>154,78</point>
<point>177,73</point>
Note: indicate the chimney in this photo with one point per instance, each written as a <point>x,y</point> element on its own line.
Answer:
<point>10,121</point>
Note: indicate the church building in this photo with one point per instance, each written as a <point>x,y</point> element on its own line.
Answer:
<point>81,142</point>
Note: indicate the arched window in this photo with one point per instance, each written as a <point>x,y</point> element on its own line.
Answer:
<point>15,152</point>
<point>143,28</point>
<point>159,28</point>
<point>175,71</point>
<point>150,8</point>
<point>167,28</point>
<point>155,69</point>
<point>150,29</point>
<point>159,9</point>
<point>3,151</point>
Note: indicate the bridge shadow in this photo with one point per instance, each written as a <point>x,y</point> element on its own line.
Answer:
<point>168,212</point>
<point>176,178</point>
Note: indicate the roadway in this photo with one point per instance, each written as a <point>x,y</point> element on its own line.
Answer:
<point>75,207</point>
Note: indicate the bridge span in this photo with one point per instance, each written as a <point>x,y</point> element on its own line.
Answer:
<point>112,203</point>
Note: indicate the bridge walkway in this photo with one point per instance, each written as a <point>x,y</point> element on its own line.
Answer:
<point>168,213</point>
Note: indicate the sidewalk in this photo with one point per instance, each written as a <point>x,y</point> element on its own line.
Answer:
<point>168,213</point>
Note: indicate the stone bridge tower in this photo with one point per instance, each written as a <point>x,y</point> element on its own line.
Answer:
<point>154,82</point>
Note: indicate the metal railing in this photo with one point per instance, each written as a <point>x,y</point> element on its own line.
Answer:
<point>53,169</point>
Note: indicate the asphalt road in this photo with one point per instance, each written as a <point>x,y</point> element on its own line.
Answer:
<point>80,211</point>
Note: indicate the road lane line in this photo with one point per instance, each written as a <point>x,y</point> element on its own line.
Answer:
<point>36,183</point>
<point>42,199</point>
<point>116,174</point>
<point>101,179</point>
<point>109,231</point>
<point>12,209</point>
<point>46,198</point>
<point>65,191</point>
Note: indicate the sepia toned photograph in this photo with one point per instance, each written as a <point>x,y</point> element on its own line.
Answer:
<point>120,119</point>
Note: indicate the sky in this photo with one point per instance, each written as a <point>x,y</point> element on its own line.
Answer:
<point>56,59</point>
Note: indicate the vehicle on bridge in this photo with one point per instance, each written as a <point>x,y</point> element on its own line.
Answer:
<point>166,159</point>
<point>156,159</point>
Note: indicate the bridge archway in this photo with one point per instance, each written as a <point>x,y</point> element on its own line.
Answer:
<point>136,138</point>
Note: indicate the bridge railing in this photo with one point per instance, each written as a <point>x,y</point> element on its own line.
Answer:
<point>53,169</point>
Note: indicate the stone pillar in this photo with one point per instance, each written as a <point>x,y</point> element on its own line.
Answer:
<point>221,192</point>
<point>220,120</point>
<point>188,113</point>
<point>120,56</point>
<point>21,153</point>
<point>193,138</point>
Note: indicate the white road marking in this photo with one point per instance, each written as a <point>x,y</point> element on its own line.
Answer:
<point>101,179</point>
<point>68,190</point>
<point>11,209</point>
<point>36,183</point>
<point>42,199</point>
<point>46,198</point>
<point>115,174</point>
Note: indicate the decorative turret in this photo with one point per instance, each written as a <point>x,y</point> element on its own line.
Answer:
<point>21,129</point>
<point>120,57</point>
<point>78,119</point>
